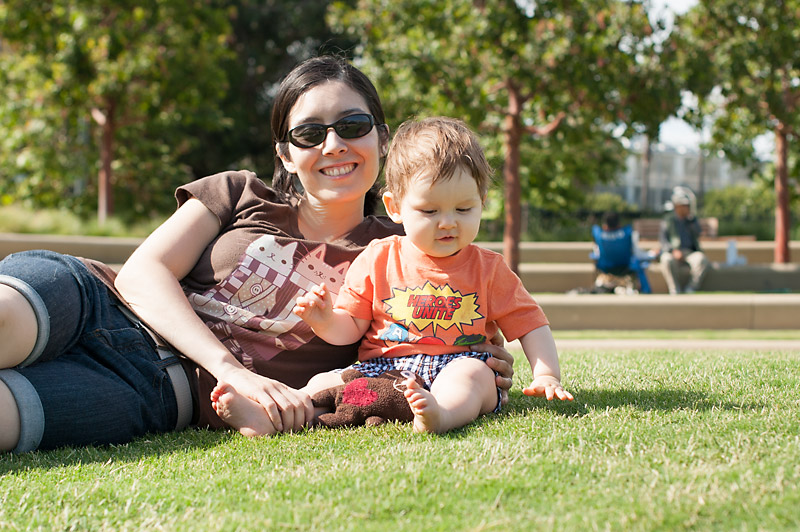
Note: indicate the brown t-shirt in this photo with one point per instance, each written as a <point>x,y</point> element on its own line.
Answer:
<point>246,281</point>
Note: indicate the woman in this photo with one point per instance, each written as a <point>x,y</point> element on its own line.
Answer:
<point>214,282</point>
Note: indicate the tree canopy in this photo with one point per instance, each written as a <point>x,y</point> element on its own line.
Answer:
<point>546,86</point>
<point>108,88</point>
<point>744,64</point>
<point>141,96</point>
<point>148,95</point>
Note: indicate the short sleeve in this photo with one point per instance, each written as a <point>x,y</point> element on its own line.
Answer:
<point>225,193</point>
<point>513,308</point>
<point>357,294</point>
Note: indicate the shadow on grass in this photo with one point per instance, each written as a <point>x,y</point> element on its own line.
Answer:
<point>141,448</point>
<point>587,400</point>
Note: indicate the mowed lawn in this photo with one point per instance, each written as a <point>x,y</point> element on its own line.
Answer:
<point>655,440</point>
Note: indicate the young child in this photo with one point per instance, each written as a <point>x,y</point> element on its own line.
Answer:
<point>421,300</point>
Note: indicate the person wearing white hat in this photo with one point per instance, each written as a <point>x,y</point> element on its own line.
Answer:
<point>680,244</point>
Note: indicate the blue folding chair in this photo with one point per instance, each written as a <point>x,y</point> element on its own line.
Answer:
<point>615,255</point>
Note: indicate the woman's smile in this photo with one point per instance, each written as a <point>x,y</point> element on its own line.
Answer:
<point>338,171</point>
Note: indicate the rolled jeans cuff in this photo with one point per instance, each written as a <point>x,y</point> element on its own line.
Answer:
<point>42,316</point>
<point>31,412</point>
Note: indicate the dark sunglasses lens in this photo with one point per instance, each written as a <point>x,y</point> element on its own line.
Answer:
<point>308,135</point>
<point>349,127</point>
<point>353,127</point>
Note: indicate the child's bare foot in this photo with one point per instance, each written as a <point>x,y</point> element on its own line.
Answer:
<point>240,412</point>
<point>426,410</point>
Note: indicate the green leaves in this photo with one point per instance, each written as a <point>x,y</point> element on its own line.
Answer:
<point>515,71</point>
<point>748,52</point>
<point>144,71</point>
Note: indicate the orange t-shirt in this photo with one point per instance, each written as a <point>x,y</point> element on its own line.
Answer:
<point>422,304</point>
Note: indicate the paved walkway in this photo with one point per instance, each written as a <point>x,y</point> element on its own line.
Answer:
<point>641,344</point>
<point>660,344</point>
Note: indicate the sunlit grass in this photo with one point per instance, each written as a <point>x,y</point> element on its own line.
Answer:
<point>656,440</point>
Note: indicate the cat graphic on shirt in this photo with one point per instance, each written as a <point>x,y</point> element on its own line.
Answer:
<point>255,302</point>
<point>309,271</point>
<point>250,291</point>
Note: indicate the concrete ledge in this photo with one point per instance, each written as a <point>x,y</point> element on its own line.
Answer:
<point>721,311</point>
<point>117,250</point>
<point>546,266</point>
<point>539,278</point>
<point>756,252</point>
<point>570,269</point>
<point>102,248</point>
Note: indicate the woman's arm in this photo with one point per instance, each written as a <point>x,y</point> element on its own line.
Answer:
<point>149,282</point>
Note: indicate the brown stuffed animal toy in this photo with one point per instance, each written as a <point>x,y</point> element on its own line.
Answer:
<point>365,400</point>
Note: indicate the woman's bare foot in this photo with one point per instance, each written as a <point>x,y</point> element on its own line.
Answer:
<point>240,412</point>
<point>426,410</point>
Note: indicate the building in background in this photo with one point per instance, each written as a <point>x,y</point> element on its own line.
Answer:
<point>670,167</point>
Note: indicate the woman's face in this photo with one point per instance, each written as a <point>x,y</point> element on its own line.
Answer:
<point>337,170</point>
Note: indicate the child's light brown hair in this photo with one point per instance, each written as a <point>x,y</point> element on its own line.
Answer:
<point>436,146</point>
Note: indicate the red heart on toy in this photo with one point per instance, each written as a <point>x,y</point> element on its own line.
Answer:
<point>356,393</point>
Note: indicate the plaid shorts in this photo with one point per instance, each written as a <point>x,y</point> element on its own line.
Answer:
<point>427,367</point>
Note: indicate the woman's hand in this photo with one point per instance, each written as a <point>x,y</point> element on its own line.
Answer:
<point>501,362</point>
<point>286,408</point>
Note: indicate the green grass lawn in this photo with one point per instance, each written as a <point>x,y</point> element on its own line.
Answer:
<point>663,440</point>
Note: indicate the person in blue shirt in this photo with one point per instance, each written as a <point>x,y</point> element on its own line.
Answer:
<point>617,253</point>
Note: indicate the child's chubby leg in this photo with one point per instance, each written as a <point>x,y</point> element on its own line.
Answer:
<point>322,381</point>
<point>319,382</point>
<point>464,389</point>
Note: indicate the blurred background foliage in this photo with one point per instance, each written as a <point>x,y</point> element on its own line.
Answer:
<point>172,90</point>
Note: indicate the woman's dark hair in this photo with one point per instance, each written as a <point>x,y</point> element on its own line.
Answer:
<point>306,76</point>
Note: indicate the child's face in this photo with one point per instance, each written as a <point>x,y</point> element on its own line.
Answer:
<point>440,219</point>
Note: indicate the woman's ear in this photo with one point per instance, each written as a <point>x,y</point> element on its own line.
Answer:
<point>282,149</point>
<point>392,205</point>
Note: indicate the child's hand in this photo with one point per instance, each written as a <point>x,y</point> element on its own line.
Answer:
<point>547,386</point>
<point>315,304</point>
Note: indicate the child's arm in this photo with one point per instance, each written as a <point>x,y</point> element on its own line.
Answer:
<point>335,326</point>
<point>540,349</point>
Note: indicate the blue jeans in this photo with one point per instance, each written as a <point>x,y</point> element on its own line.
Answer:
<point>94,377</point>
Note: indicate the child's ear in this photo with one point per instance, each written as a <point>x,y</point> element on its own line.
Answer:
<point>392,207</point>
<point>282,149</point>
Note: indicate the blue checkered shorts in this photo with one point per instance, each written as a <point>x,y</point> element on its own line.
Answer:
<point>427,367</point>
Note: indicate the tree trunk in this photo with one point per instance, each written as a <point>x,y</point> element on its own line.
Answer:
<point>781,197</point>
<point>105,199</point>
<point>512,136</point>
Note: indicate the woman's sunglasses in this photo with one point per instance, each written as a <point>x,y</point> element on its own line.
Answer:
<point>349,127</point>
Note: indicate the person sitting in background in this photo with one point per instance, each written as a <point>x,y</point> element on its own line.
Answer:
<point>619,261</point>
<point>680,244</point>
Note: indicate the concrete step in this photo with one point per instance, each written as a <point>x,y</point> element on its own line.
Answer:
<point>552,277</point>
<point>546,266</point>
<point>696,311</point>
<point>118,249</point>
<point>111,250</point>
<point>560,267</point>
<point>755,252</point>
